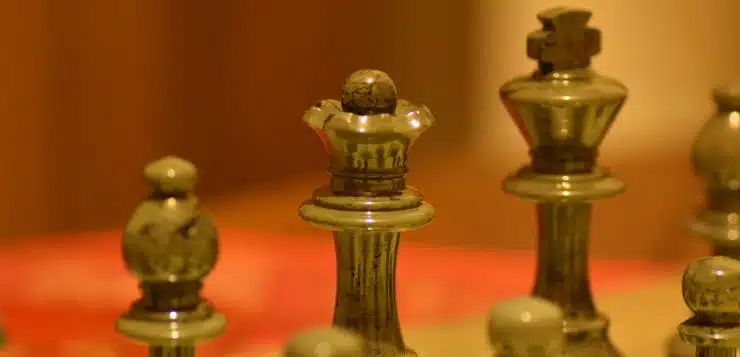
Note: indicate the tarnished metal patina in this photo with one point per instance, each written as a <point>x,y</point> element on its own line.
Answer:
<point>367,135</point>
<point>171,246</point>
<point>564,109</point>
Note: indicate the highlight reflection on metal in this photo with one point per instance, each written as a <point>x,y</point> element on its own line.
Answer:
<point>716,159</point>
<point>367,204</point>
<point>564,110</point>
<point>170,246</point>
<point>709,288</point>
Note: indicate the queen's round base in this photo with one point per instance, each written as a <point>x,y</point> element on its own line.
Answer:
<point>400,213</point>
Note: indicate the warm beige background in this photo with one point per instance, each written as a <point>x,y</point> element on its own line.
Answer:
<point>92,90</point>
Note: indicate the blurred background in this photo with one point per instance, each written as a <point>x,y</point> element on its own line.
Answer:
<point>90,91</point>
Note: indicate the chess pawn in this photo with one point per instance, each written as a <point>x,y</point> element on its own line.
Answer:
<point>709,288</point>
<point>526,327</point>
<point>170,246</point>
<point>564,110</point>
<point>368,134</point>
<point>329,342</point>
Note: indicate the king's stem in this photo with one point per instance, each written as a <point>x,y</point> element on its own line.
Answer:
<point>562,258</point>
<point>366,289</point>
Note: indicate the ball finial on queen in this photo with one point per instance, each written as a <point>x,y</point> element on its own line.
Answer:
<point>328,342</point>
<point>167,238</point>
<point>711,289</point>
<point>368,92</point>
<point>527,326</point>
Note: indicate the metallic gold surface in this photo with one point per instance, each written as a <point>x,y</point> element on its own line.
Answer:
<point>564,111</point>
<point>367,204</point>
<point>171,247</point>
<point>716,159</point>
<point>709,287</point>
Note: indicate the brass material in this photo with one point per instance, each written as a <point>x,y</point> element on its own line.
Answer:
<point>564,110</point>
<point>716,160</point>
<point>709,288</point>
<point>171,246</point>
<point>367,204</point>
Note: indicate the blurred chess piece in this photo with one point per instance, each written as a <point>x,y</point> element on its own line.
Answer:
<point>709,288</point>
<point>564,110</point>
<point>716,160</point>
<point>170,246</point>
<point>328,342</point>
<point>368,134</point>
<point>526,327</point>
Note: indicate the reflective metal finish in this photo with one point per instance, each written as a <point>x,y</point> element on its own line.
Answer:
<point>709,289</point>
<point>716,160</point>
<point>170,245</point>
<point>564,110</point>
<point>367,204</point>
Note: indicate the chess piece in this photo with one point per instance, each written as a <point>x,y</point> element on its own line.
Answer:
<point>709,287</point>
<point>564,110</point>
<point>716,160</point>
<point>367,204</point>
<point>526,327</point>
<point>330,342</point>
<point>170,246</point>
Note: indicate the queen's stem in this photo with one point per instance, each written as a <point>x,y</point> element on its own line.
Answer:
<point>562,272</point>
<point>366,291</point>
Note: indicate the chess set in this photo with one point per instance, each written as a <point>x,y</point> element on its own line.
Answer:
<point>563,109</point>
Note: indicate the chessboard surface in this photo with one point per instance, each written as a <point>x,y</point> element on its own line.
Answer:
<point>65,293</point>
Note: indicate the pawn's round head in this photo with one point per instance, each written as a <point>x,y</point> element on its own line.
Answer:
<point>328,342</point>
<point>171,176</point>
<point>368,92</point>
<point>711,289</point>
<point>526,324</point>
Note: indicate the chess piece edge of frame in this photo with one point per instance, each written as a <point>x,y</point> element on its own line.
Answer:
<point>709,287</point>
<point>170,245</point>
<point>715,152</point>
<point>564,110</point>
<point>367,135</point>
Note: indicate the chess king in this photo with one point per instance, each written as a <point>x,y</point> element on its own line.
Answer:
<point>368,134</point>
<point>564,110</point>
